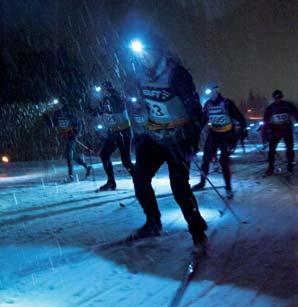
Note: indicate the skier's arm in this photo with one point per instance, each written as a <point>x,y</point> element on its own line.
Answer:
<point>236,114</point>
<point>205,117</point>
<point>294,111</point>
<point>77,128</point>
<point>183,86</point>
<point>266,123</point>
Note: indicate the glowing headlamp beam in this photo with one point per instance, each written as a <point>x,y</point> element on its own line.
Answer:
<point>208,91</point>
<point>97,88</point>
<point>136,46</point>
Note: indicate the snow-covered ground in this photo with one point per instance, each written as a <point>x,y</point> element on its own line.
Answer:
<point>50,237</point>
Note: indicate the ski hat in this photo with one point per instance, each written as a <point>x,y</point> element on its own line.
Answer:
<point>277,94</point>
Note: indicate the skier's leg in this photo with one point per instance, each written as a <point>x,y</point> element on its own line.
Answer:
<point>225,162</point>
<point>209,150</point>
<point>77,156</point>
<point>271,155</point>
<point>69,158</point>
<point>179,164</point>
<point>108,148</point>
<point>124,143</point>
<point>289,141</point>
<point>149,158</point>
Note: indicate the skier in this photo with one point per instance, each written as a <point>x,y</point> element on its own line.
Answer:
<point>220,113</point>
<point>114,115</point>
<point>172,117</point>
<point>70,128</point>
<point>278,124</point>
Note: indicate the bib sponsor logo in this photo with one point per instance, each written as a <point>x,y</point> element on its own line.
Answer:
<point>158,94</point>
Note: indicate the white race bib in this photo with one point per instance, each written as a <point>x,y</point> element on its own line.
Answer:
<point>158,109</point>
<point>219,119</point>
<point>280,118</point>
<point>63,123</point>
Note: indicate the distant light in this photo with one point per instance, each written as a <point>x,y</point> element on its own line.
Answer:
<point>249,110</point>
<point>133,99</point>
<point>99,127</point>
<point>208,91</point>
<point>251,125</point>
<point>55,101</point>
<point>261,123</point>
<point>248,128</point>
<point>5,159</point>
<point>136,46</point>
<point>296,125</point>
<point>97,88</point>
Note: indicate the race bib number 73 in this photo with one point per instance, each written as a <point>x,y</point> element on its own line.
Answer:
<point>158,109</point>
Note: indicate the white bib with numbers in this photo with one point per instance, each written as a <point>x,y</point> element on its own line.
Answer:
<point>281,118</point>
<point>64,123</point>
<point>164,106</point>
<point>219,118</point>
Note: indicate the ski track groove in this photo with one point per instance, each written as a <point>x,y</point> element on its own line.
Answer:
<point>136,243</point>
<point>26,218</point>
<point>46,206</point>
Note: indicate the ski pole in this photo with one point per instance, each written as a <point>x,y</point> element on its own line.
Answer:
<point>84,146</point>
<point>227,205</point>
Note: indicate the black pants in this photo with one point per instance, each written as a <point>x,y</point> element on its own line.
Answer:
<point>150,155</point>
<point>289,141</point>
<point>122,141</point>
<point>72,155</point>
<point>222,141</point>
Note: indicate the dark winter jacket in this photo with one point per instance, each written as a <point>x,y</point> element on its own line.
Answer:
<point>278,119</point>
<point>69,125</point>
<point>112,112</point>
<point>172,104</point>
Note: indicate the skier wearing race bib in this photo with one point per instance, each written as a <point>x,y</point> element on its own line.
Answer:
<point>220,113</point>
<point>278,124</point>
<point>70,128</point>
<point>170,134</point>
<point>113,113</point>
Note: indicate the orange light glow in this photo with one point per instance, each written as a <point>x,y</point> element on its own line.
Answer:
<point>5,159</point>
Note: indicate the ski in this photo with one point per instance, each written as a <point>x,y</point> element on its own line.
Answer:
<point>191,270</point>
<point>197,258</point>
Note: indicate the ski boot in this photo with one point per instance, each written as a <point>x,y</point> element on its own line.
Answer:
<point>109,186</point>
<point>199,186</point>
<point>230,193</point>
<point>152,228</point>
<point>198,235</point>
<point>69,179</point>
<point>269,172</point>
<point>88,171</point>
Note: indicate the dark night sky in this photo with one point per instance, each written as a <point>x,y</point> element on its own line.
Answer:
<point>243,44</point>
